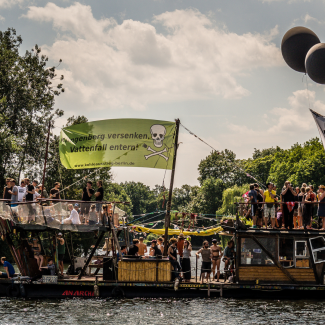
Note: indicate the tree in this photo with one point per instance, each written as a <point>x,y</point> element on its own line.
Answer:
<point>208,198</point>
<point>300,164</point>
<point>26,104</point>
<point>140,195</point>
<point>182,196</point>
<point>260,167</point>
<point>229,197</point>
<point>223,166</point>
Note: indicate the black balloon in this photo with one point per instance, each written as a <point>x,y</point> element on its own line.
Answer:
<point>295,44</point>
<point>315,63</point>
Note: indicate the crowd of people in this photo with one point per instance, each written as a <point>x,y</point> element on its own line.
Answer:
<point>179,254</point>
<point>293,209</point>
<point>85,213</point>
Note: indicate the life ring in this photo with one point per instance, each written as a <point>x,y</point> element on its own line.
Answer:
<point>13,290</point>
<point>118,292</point>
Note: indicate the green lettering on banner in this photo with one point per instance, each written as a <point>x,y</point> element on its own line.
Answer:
<point>129,142</point>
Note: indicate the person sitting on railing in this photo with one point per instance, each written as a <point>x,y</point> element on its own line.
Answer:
<point>228,253</point>
<point>10,271</point>
<point>74,216</point>
<point>93,216</point>
<point>37,250</point>
<point>154,250</point>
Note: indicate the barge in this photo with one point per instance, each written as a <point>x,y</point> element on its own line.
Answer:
<point>267,264</point>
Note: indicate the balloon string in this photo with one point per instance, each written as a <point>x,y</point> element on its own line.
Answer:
<point>307,89</point>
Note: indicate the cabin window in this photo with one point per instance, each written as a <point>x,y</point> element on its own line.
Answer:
<point>252,253</point>
<point>318,249</point>
<point>301,254</point>
<point>286,252</point>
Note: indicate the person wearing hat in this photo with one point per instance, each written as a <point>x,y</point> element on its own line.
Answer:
<point>216,258</point>
<point>74,216</point>
<point>154,250</point>
<point>61,250</point>
<point>321,206</point>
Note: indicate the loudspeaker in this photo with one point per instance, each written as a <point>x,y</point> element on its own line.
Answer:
<point>109,270</point>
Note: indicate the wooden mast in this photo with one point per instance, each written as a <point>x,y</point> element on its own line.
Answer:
<point>46,153</point>
<point>169,203</point>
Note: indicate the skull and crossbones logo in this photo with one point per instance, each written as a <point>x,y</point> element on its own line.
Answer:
<point>158,133</point>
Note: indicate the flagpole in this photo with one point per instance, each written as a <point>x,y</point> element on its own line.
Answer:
<point>169,202</point>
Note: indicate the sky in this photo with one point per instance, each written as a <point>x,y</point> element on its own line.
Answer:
<point>214,64</point>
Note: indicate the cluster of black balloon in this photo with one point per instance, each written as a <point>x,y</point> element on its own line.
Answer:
<point>303,52</point>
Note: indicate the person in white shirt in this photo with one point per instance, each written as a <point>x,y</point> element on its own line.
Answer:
<point>74,216</point>
<point>21,191</point>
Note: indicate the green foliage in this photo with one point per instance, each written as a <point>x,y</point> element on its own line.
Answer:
<point>27,101</point>
<point>208,198</point>
<point>229,196</point>
<point>223,166</point>
<point>299,164</point>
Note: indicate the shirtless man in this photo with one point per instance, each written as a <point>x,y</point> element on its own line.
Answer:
<point>142,247</point>
<point>216,258</point>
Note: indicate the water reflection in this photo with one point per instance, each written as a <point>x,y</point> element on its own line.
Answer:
<point>160,311</point>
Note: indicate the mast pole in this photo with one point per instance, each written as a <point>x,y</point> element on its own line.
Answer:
<point>169,203</point>
<point>46,153</point>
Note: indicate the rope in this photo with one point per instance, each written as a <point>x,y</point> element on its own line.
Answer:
<point>218,152</point>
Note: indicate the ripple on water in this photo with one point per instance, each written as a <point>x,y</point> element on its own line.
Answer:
<point>159,311</point>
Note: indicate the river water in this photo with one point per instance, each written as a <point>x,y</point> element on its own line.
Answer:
<point>160,311</point>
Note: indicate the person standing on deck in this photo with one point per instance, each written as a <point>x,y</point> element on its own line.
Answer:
<point>8,187</point>
<point>154,250</point>
<point>10,271</point>
<point>21,191</point>
<point>288,195</point>
<point>269,206</point>
<point>228,253</point>
<point>206,254</point>
<point>87,193</point>
<point>172,254</point>
<point>133,250</point>
<point>14,193</point>
<point>142,247</point>
<point>180,247</point>
<point>216,258</point>
<point>313,198</point>
<point>161,244</point>
<point>99,196</point>
<point>186,261</point>
<point>253,199</point>
<point>321,206</point>
<point>61,251</point>
<point>307,207</point>
<point>30,191</point>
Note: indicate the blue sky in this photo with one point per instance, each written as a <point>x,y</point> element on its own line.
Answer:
<point>216,65</point>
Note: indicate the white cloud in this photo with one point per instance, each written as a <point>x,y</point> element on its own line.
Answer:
<point>111,65</point>
<point>283,123</point>
<point>10,3</point>
<point>2,18</point>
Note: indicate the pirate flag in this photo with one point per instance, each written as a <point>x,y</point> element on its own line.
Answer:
<point>320,122</point>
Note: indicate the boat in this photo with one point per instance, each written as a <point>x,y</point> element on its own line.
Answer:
<point>267,263</point>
